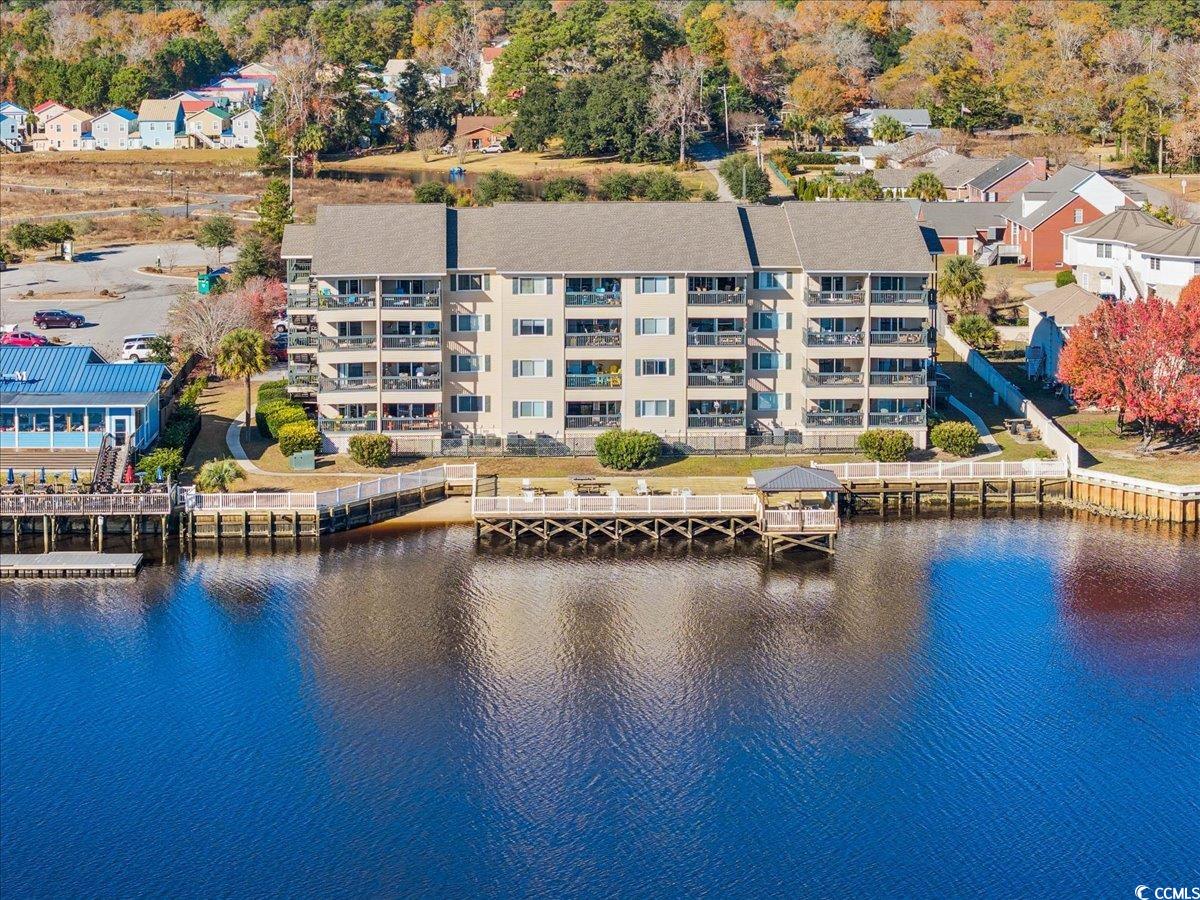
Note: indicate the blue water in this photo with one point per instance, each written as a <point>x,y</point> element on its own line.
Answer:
<point>962,707</point>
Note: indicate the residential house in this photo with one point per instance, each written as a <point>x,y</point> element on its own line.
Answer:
<point>487,66</point>
<point>159,121</point>
<point>1051,317</point>
<point>924,149</point>
<point>1002,181</point>
<point>12,124</point>
<point>207,126</point>
<point>954,171</point>
<point>554,322</point>
<point>66,130</point>
<point>1037,217</point>
<point>258,72</point>
<point>244,126</point>
<point>442,77</point>
<point>482,131</point>
<point>191,107</point>
<point>963,229</point>
<point>1129,254</point>
<point>913,120</point>
<point>47,110</point>
<point>113,129</point>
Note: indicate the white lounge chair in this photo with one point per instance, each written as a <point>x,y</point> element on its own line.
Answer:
<point>527,484</point>
<point>642,489</point>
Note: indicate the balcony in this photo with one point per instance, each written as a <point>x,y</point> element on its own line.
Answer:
<point>411,423</point>
<point>302,377</point>
<point>412,342</point>
<point>716,298</point>
<point>716,339</point>
<point>903,298</point>
<point>910,338</point>
<point>834,338</point>
<point>595,339</point>
<point>301,301</point>
<point>593,298</point>
<point>833,379</point>
<point>604,380</point>
<point>412,382</point>
<point>349,383</point>
<point>733,420</point>
<point>820,419</point>
<point>341,425</point>
<point>900,379</point>
<point>412,301</point>
<point>897,420</point>
<point>302,339</point>
<point>717,379</point>
<point>608,420</point>
<point>346,301</point>
<point>835,298</point>
<point>332,343</point>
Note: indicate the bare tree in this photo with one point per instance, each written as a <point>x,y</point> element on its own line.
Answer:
<point>1070,37</point>
<point>202,321</point>
<point>927,18</point>
<point>429,141</point>
<point>743,123</point>
<point>675,96</point>
<point>464,52</point>
<point>302,96</point>
<point>461,148</point>
<point>850,49</point>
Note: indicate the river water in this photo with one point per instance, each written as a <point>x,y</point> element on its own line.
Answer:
<point>965,707</point>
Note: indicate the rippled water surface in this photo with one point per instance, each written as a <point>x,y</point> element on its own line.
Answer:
<point>964,707</point>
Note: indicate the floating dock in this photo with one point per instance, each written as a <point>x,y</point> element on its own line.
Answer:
<point>70,565</point>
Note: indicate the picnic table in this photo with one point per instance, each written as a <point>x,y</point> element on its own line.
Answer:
<point>588,484</point>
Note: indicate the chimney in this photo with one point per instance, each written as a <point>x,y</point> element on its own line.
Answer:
<point>1039,167</point>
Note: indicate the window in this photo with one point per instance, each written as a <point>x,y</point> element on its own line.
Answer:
<point>355,286</point>
<point>1196,267</point>
<point>768,362</point>
<point>765,321</point>
<point>1104,251</point>
<point>470,283</point>
<point>531,285</point>
<point>468,323</point>
<point>531,409</point>
<point>654,284</point>
<point>655,367</point>
<point>771,281</point>
<point>531,327</point>
<point>1083,279</point>
<point>1079,217</point>
<point>659,325</point>
<point>764,401</point>
<point>95,418</point>
<point>468,403</point>
<point>1155,264</point>
<point>463,363</point>
<point>652,409</point>
<point>531,368</point>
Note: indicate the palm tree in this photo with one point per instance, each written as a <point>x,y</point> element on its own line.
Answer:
<point>217,475</point>
<point>888,129</point>
<point>927,186</point>
<point>243,354</point>
<point>962,282</point>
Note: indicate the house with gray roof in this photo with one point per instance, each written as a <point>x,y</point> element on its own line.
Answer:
<point>963,229</point>
<point>1129,253</point>
<point>913,120</point>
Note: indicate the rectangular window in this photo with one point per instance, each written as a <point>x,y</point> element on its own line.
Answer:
<point>767,362</point>
<point>467,403</point>
<point>532,327</point>
<point>656,367</point>
<point>654,284</point>
<point>1079,217</point>
<point>531,286</point>
<point>461,363</point>
<point>1155,264</point>
<point>1104,251</point>
<point>770,281</point>
<point>468,283</point>
<point>531,368</point>
<point>467,323</point>
<point>765,321</point>
<point>1196,267</point>
<point>764,401</point>
<point>96,418</point>
<point>653,409</point>
<point>531,409</point>
<point>659,325</point>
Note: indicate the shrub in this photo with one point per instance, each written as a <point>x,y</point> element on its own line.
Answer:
<point>628,449</point>
<point>297,436</point>
<point>169,459</point>
<point>661,184</point>
<point>959,438</point>
<point>565,188</point>
<point>284,415</point>
<point>618,185</point>
<point>433,192</point>
<point>744,178</point>
<point>496,187</point>
<point>977,331</point>
<point>1063,278</point>
<point>885,444</point>
<point>373,450</point>
<point>1044,453</point>
<point>180,431</point>
<point>217,475</point>
<point>190,395</point>
<point>262,411</point>
<point>271,390</point>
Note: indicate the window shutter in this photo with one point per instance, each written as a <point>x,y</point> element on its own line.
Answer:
<point>549,327</point>
<point>670,326</point>
<point>549,409</point>
<point>487,403</point>
<point>637,367</point>
<point>787,360</point>
<point>670,285</point>
<point>516,327</point>
<point>487,282</point>
<point>670,407</point>
<point>787,401</point>
<point>516,410</point>
<point>637,285</point>
<point>637,326</point>
<point>549,368</point>
<point>549,285</point>
<point>671,366</point>
<point>516,366</point>
<point>788,320</point>
<point>487,362</point>
<point>637,408</point>
<point>487,323</point>
<point>787,279</point>
<point>514,285</point>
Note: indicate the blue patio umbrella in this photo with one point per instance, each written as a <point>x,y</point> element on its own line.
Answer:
<point>42,477</point>
<point>74,476</point>
<point>11,477</point>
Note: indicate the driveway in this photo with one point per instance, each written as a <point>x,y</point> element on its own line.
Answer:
<point>1141,191</point>
<point>143,308</point>
<point>708,156</point>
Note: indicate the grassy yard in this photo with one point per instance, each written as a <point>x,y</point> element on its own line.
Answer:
<point>1174,184</point>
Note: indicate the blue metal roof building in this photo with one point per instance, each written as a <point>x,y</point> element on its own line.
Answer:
<point>69,397</point>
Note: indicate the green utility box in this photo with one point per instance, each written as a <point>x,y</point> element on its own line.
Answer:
<point>303,461</point>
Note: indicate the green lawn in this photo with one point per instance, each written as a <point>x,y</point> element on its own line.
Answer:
<point>973,391</point>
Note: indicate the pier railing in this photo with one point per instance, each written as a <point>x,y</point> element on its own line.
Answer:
<point>793,520</point>
<point>1027,468</point>
<point>1140,485</point>
<point>653,505</point>
<point>85,504</point>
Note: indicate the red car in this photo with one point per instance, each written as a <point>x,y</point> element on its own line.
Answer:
<point>22,339</point>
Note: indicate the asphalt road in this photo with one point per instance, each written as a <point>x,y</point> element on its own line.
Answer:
<point>142,309</point>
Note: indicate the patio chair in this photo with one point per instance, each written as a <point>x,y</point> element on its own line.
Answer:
<point>527,484</point>
<point>750,484</point>
<point>642,489</point>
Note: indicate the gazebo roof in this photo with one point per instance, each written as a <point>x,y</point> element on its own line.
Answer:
<point>795,478</point>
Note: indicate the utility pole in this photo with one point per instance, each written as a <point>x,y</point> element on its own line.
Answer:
<point>756,131</point>
<point>291,158</point>
<point>725,99</point>
<point>187,202</point>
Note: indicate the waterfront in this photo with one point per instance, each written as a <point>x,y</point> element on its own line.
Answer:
<point>1000,707</point>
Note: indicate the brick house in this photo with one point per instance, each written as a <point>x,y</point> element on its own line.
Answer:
<point>1005,179</point>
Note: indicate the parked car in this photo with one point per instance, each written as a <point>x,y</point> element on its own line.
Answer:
<point>278,347</point>
<point>57,318</point>
<point>492,148</point>
<point>22,339</point>
<point>280,323</point>
<point>137,349</point>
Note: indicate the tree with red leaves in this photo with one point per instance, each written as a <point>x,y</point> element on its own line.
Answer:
<point>1142,358</point>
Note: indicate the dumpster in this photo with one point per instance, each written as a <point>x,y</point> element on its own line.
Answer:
<point>207,282</point>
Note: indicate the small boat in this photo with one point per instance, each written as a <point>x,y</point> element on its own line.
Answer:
<point>457,171</point>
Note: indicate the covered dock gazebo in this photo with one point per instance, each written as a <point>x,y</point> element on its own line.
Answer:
<point>805,483</point>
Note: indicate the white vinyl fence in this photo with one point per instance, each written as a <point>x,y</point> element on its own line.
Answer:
<point>965,469</point>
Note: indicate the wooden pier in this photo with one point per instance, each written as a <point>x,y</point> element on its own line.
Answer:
<point>69,565</point>
<point>96,515</point>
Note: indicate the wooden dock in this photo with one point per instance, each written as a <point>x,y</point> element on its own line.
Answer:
<point>69,565</point>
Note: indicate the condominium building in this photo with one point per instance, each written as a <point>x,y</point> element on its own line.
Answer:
<point>702,322</point>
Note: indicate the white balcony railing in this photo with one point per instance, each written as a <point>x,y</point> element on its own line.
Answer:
<point>900,379</point>
<point>716,339</point>
<point>833,338</point>
<point>833,419</point>
<point>833,379</point>
<point>717,379</point>
<point>600,380</point>
<point>896,419</point>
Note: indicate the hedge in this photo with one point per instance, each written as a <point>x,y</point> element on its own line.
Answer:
<point>272,390</point>
<point>284,415</point>
<point>373,450</point>
<point>297,436</point>
<point>885,444</point>
<point>959,438</point>
<point>169,459</point>
<point>264,409</point>
<point>627,450</point>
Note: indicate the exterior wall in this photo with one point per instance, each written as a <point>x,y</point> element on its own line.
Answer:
<point>158,135</point>
<point>1102,193</point>
<point>82,432</point>
<point>66,133</point>
<point>111,133</point>
<point>1007,187</point>
<point>1042,247</point>
<point>1170,277</point>
<point>245,130</point>
<point>1045,333</point>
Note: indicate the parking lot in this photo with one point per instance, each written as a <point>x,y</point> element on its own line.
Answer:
<point>142,308</point>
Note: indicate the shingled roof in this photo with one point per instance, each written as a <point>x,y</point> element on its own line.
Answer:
<point>1184,242</point>
<point>878,236</point>
<point>381,239</point>
<point>1127,225</point>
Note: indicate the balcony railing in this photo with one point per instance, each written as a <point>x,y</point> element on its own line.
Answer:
<point>834,338</point>
<point>412,382</point>
<point>608,420</point>
<point>905,379</point>
<point>833,419</point>
<point>897,420</point>
<point>602,380</point>
<point>728,420</point>
<point>349,383</point>
<point>716,379</point>
<point>303,377</point>
<point>347,342</point>
<point>346,301</point>
<point>593,298</point>
<point>918,338</point>
<point>903,298</point>
<point>298,339</point>
<point>411,423</point>
<point>716,298</point>
<point>343,424</point>
<point>412,341</point>
<point>716,339</point>
<point>833,379</point>
<point>412,301</point>
<point>301,301</point>
<point>598,339</point>
<point>835,298</point>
